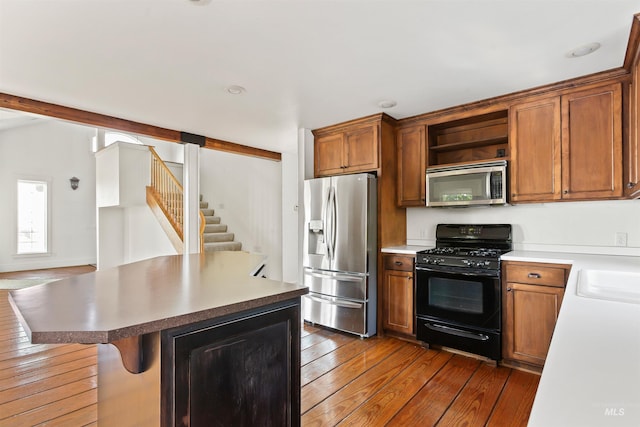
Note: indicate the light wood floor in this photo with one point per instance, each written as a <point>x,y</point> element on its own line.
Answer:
<point>388,382</point>
<point>345,381</point>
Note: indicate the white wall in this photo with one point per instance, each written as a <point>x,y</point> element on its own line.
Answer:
<point>583,227</point>
<point>57,150</point>
<point>246,193</point>
<point>128,235</point>
<point>168,151</point>
<point>290,214</point>
<point>143,236</point>
<point>127,229</point>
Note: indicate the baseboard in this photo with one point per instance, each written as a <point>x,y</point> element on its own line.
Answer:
<point>40,264</point>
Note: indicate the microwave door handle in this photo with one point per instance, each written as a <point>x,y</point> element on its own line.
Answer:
<point>426,190</point>
<point>488,186</point>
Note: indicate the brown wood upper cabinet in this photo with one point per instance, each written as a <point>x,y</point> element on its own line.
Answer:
<point>567,147</point>
<point>592,143</point>
<point>347,151</point>
<point>535,151</point>
<point>412,161</point>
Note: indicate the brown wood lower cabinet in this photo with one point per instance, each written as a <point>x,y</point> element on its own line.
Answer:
<point>532,295</point>
<point>398,294</point>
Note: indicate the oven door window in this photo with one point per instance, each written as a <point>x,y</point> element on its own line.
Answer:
<point>458,298</point>
<point>464,296</point>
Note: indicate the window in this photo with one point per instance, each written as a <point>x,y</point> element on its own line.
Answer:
<point>111,137</point>
<point>33,212</point>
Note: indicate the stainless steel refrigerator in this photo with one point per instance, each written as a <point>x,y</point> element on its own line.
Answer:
<point>340,252</point>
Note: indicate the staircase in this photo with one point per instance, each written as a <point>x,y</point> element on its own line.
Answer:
<point>165,198</point>
<point>215,235</point>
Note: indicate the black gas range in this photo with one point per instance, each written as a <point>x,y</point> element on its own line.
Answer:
<point>458,299</point>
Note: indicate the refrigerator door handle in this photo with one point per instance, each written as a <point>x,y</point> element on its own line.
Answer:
<point>341,277</point>
<point>326,220</point>
<point>345,304</point>
<point>334,214</point>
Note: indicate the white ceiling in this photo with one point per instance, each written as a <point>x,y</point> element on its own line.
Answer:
<point>304,63</point>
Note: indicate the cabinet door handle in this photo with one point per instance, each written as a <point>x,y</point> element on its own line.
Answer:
<point>533,276</point>
<point>509,289</point>
<point>631,184</point>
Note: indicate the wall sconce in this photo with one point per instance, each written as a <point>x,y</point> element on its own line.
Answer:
<point>74,183</point>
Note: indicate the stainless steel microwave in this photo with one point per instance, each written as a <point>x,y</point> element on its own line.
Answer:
<point>467,185</point>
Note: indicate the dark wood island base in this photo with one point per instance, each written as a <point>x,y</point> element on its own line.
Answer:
<point>225,352</point>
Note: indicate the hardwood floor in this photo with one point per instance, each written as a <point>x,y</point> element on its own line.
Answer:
<point>45,384</point>
<point>345,381</point>
<point>52,273</point>
<point>384,381</point>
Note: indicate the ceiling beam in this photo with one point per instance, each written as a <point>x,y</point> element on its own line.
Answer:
<point>28,105</point>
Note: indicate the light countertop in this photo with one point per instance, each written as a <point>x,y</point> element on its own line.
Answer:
<point>592,373</point>
<point>404,249</point>
<point>146,296</point>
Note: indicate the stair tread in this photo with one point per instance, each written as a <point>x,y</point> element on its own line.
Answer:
<point>218,237</point>
<point>222,246</point>
<point>212,220</point>
<point>215,228</point>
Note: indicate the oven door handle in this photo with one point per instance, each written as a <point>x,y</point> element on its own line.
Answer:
<point>476,273</point>
<point>455,331</point>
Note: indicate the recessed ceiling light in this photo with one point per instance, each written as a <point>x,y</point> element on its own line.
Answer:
<point>236,90</point>
<point>583,50</point>
<point>387,103</point>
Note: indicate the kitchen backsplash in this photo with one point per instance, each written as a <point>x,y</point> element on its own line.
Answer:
<point>600,227</point>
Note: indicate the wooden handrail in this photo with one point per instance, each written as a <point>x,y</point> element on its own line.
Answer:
<point>171,195</point>
<point>202,225</point>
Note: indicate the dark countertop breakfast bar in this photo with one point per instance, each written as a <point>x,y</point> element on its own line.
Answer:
<point>166,323</point>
